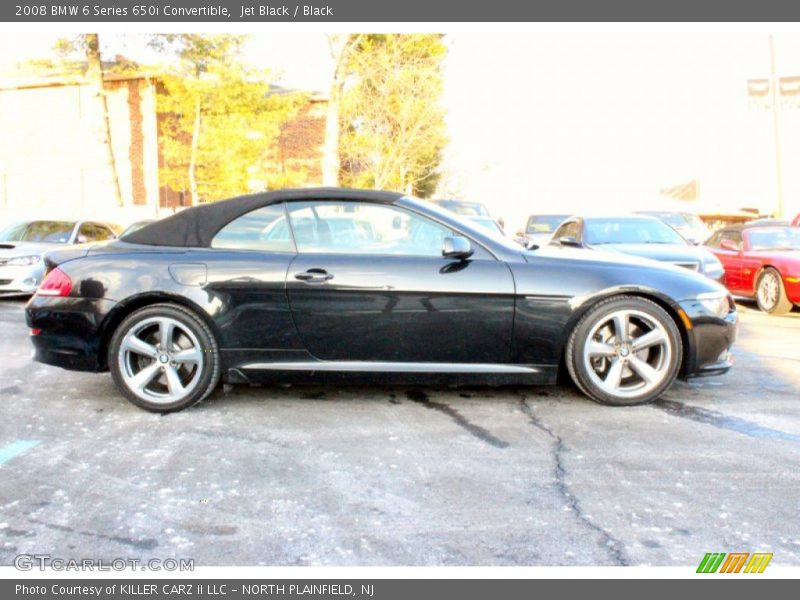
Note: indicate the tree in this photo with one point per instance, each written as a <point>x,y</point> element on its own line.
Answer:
<point>89,44</point>
<point>341,46</point>
<point>223,119</point>
<point>393,132</point>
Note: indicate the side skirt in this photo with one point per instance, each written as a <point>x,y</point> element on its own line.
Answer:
<point>390,373</point>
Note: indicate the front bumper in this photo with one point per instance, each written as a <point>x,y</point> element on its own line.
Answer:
<point>67,331</point>
<point>792,287</point>
<point>20,280</point>
<point>710,340</point>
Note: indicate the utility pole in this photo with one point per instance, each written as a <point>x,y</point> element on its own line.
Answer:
<point>774,82</point>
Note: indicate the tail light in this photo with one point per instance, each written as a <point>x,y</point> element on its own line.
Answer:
<point>55,284</point>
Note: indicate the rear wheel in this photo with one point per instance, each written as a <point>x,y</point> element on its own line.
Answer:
<point>164,358</point>
<point>624,351</point>
<point>770,293</point>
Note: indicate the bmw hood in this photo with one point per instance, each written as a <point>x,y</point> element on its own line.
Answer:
<point>606,254</point>
<point>671,253</point>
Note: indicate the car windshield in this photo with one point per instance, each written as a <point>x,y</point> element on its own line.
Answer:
<point>467,209</point>
<point>135,227</point>
<point>671,219</point>
<point>777,238</point>
<point>488,223</point>
<point>544,223</point>
<point>54,232</point>
<point>679,220</point>
<point>631,231</point>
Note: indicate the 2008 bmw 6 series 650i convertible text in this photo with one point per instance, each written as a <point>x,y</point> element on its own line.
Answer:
<point>303,285</point>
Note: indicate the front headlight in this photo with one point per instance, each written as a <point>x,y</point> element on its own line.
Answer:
<point>717,303</point>
<point>23,261</point>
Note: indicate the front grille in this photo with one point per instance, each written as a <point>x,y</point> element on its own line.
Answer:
<point>692,266</point>
<point>5,281</point>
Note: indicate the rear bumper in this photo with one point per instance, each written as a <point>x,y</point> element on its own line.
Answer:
<point>69,331</point>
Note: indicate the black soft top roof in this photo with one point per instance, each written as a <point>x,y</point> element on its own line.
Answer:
<point>195,227</point>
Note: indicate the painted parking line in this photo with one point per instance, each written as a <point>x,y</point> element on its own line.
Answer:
<point>15,449</point>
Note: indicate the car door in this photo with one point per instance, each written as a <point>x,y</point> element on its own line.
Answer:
<point>729,253</point>
<point>246,274</point>
<point>750,266</point>
<point>369,283</point>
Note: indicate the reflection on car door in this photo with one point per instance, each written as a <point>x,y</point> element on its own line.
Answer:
<point>367,285</point>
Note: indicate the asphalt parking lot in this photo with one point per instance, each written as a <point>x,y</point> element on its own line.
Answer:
<point>405,476</point>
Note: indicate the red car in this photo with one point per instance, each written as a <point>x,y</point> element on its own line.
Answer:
<point>761,261</point>
<point>796,222</point>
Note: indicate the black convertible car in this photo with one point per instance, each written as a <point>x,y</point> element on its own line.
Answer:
<point>313,284</point>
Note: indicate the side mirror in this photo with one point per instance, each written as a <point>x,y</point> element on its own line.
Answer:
<point>456,246</point>
<point>729,245</point>
<point>568,240</point>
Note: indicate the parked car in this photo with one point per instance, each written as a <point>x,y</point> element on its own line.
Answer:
<point>227,291</point>
<point>689,225</point>
<point>136,226</point>
<point>474,211</point>
<point>639,235</point>
<point>24,243</point>
<point>539,228</point>
<point>761,262</point>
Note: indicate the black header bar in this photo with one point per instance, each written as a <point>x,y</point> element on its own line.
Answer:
<point>338,11</point>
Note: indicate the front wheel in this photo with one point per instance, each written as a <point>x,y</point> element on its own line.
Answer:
<point>624,351</point>
<point>164,358</point>
<point>770,293</point>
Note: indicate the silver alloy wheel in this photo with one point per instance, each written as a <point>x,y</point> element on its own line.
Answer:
<point>768,290</point>
<point>161,360</point>
<point>628,353</point>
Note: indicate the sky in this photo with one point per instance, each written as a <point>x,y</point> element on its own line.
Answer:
<point>540,121</point>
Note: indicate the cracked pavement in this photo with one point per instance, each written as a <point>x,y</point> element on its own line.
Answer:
<point>343,475</point>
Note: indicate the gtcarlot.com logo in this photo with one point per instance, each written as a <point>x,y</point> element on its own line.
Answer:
<point>734,562</point>
<point>28,562</point>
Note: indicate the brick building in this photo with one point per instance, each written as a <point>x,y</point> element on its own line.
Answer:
<point>54,162</point>
<point>53,157</point>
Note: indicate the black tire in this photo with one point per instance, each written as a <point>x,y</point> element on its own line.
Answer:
<point>204,376</point>
<point>671,351</point>
<point>781,304</point>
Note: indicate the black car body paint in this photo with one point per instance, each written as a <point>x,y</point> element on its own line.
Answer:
<point>504,306</point>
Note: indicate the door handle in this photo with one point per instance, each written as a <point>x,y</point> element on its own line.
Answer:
<point>314,276</point>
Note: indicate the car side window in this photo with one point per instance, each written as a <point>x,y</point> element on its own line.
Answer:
<point>264,229</point>
<point>732,236</point>
<point>570,229</point>
<point>102,232</point>
<point>714,240</point>
<point>93,232</point>
<point>349,227</point>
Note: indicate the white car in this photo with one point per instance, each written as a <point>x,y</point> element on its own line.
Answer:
<point>23,245</point>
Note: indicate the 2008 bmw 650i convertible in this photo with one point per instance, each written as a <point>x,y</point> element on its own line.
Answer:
<point>304,285</point>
